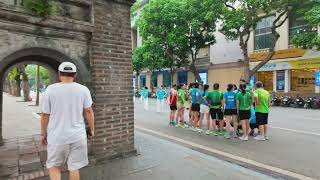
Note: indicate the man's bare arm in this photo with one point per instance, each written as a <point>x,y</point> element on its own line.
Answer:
<point>44,123</point>
<point>44,126</point>
<point>90,118</point>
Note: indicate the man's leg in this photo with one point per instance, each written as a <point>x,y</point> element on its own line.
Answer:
<point>74,175</point>
<point>54,173</point>
<point>265,128</point>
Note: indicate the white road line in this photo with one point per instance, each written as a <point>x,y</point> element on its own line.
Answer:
<point>237,158</point>
<point>297,131</point>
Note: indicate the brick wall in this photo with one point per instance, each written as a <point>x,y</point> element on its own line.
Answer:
<point>112,79</point>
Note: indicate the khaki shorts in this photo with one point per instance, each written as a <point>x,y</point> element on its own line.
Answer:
<point>204,109</point>
<point>75,155</point>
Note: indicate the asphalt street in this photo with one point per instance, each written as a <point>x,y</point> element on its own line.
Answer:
<point>293,146</point>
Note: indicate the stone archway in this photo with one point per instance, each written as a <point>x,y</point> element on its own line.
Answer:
<point>42,56</point>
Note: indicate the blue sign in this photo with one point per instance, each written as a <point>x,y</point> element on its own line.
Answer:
<point>280,81</point>
<point>317,78</point>
<point>252,81</point>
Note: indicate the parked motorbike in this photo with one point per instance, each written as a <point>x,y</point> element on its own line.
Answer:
<point>275,101</point>
<point>287,101</point>
<point>308,103</point>
<point>316,103</point>
<point>299,102</point>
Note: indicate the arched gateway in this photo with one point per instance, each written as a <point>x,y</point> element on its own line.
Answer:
<point>96,36</point>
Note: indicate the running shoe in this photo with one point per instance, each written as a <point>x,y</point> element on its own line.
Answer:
<point>260,138</point>
<point>178,126</point>
<point>235,134</point>
<point>221,132</point>
<point>215,132</point>
<point>227,136</point>
<point>244,138</point>
<point>199,130</point>
<point>208,132</point>
<point>266,137</point>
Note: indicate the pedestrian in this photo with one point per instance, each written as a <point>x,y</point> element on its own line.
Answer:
<point>230,111</point>
<point>146,98</point>
<point>160,99</point>
<point>204,108</point>
<point>244,103</point>
<point>142,91</point>
<point>180,105</point>
<point>215,100</point>
<point>190,88</point>
<point>195,107</point>
<point>62,123</point>
<point>263,101</point>
<point>173,103</point>
<point>253,122</point>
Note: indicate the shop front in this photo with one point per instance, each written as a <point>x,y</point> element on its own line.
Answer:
<point>300,76</point>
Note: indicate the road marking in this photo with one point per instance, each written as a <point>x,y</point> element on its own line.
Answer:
<point>228,155</point>
<point>297,131</point>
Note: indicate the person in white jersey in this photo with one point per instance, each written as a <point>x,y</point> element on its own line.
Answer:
<point>62,123</point>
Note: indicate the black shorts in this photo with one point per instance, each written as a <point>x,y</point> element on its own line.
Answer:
<point>244,114</point>
<point>253,125</point>
<point>262,118</point>
<point>173,108</point>
<point>195,107</point>
<point>230,112</point>
<point>216,113</point>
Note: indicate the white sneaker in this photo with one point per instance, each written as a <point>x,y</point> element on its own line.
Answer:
<point>260,138</point>
<point>266,137</point>
<point>242,138</point>
<point>208,132</point>
<point>246,138</point>
<point>235,134</point>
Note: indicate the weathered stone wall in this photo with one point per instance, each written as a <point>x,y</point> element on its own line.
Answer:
<point>112,78</point>
<point>96,35</point>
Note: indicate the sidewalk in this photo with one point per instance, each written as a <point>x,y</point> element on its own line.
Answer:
<point>163,160</point>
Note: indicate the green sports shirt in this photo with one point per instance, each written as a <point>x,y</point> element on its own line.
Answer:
<point>264,99</point>
<point>215,97</point>
<point>244,100</point>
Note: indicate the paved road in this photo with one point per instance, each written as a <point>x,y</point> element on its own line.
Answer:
<point>293,146</point>
<point>18,117</point>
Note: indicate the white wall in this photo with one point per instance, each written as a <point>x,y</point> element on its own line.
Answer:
<point>225,51</point>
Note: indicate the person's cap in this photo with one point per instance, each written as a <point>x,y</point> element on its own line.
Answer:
<point>67,67</point>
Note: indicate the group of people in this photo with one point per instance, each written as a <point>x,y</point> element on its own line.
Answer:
<point>222,110</point>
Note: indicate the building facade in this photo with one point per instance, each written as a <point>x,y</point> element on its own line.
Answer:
<point>291,70</point>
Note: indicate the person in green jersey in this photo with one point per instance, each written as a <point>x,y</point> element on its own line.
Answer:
<point>263,101</point>
<point>180,104</point>
<point>244,103</point>
<point>215,101</point>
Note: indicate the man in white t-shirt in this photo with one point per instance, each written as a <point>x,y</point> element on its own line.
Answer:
<point>62,123</point>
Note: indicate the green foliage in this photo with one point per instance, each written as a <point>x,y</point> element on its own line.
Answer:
<point>135,7</point>
<point>309,39</point>
<point>31,70</point>
<point>14,74</point>
<point>41,8</point>
<point>137,59</point>
<point>161,26</point>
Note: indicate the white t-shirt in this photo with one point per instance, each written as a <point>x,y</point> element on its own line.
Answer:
<point>65,103</point>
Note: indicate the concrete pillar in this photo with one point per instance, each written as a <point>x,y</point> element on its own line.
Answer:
<point>275,81</point>
<point>287,81</point>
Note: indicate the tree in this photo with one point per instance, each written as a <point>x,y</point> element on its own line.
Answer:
<point>25,82</point>
<point>309,39</point>
<point>240,18</point>
<point>162,21</point>
<point>137,62</point>
<point>200,24</point>
<point>15,81</point>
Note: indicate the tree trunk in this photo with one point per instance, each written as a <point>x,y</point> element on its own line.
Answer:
<point>137,80</point>
<point>17,88</point>
<point>193,68</point>
<point>38,85</point>
<point>25,83</point>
